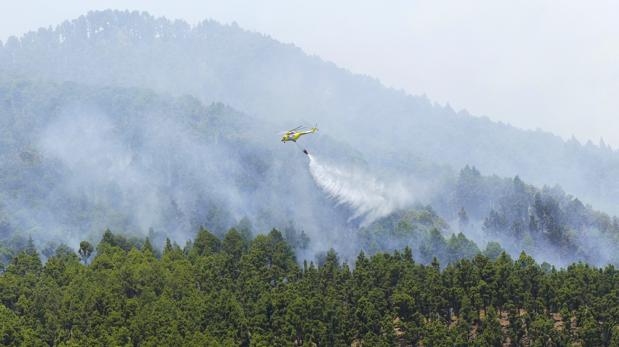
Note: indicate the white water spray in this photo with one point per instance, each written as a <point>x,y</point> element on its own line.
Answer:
<point>351,186</point>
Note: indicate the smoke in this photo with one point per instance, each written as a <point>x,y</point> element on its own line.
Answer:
<point>129,178</point>
<point>351,186</point>
<point>137,171</point>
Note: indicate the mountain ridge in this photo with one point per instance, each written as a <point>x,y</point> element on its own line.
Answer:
<point>282,85</point>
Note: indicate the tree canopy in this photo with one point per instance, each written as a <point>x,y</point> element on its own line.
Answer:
<point>236,291</point>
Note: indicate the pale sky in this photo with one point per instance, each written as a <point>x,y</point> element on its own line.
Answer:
<point>543,64</point>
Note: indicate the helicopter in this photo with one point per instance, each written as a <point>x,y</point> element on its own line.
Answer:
<point>294,134</point>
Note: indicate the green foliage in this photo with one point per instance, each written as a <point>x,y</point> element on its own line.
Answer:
<point>205,243</point>
<point>421,228</point>
<point>10,327</point>
<point>253,293</point>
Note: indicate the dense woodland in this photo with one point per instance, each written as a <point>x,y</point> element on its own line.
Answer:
<point>253,292</point>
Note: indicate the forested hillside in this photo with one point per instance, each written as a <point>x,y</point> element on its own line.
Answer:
<point>546,222</point>
<point>79,159</point>
<point>244,292</point>
<point>403,222</point>
<point>279,83</point>
<point>472,211</point>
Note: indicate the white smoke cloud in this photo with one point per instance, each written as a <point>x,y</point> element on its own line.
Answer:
<point>354,187</point>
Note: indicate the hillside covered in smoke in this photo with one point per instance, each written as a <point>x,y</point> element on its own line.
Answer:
<point>279,83</point>
<point>81,159</point>
<point>546,222</point>
<point>78,160</point>
<point>148,126</point>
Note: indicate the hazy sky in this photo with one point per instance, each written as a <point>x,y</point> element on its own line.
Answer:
<point>539,63</point>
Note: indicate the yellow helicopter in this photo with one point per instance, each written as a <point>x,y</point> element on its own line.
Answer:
<point>294,134</point>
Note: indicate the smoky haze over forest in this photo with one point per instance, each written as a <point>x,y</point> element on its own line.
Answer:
<point>533,64</point>
<point>155,127</point>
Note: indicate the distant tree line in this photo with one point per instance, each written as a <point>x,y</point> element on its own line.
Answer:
<point>533,219</point>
